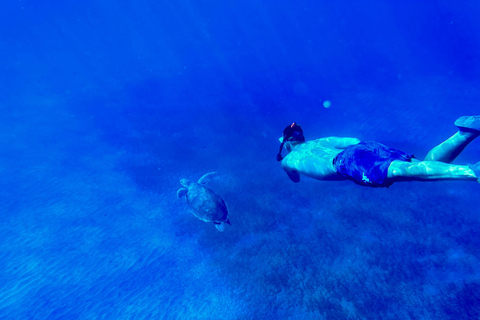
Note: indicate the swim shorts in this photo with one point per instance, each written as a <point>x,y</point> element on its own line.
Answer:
<point>367,163</point>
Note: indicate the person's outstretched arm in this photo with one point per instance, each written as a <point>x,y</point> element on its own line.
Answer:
<point>293,175</point>
<point>342,143</point>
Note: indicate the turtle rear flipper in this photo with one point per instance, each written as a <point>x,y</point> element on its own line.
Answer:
<point>206,177</point>
<point>220,226</point>
<point>181,192</point>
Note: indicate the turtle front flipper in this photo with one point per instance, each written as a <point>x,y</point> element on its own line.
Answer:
<point>181,192</point>
<point>206,177</point>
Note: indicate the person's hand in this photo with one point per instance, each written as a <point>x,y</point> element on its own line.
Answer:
<point>279,157</point>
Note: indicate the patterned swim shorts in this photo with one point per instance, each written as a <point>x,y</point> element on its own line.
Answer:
<point>367,163</point>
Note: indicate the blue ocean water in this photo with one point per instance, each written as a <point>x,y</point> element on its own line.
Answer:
<point>106,105</point>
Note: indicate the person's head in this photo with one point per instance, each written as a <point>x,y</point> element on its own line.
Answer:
<point>292,136</point>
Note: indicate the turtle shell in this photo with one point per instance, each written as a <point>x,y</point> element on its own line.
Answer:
<point>206,204</point>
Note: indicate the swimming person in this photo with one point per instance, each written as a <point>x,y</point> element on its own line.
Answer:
<point>373,164</point>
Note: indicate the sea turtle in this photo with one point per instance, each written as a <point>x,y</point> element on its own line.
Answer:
<point>205,204</point>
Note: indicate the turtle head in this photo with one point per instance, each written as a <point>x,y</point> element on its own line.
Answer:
<point>185,182</point>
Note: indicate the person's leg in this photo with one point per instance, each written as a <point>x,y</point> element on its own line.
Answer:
<point>430,170</point>
<point>447,151</point>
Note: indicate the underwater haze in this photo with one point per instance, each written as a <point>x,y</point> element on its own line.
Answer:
<point>107,105</point>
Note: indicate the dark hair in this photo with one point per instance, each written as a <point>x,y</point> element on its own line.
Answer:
<point>292,132</point>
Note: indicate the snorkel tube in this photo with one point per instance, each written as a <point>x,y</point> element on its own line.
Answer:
<point>279,154</point>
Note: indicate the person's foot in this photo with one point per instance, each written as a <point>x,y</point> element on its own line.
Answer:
<point>468,123</point>
<point>476,169</point>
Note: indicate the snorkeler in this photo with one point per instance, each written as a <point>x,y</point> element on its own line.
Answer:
<point>373,164</point>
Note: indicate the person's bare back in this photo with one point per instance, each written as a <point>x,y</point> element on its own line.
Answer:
<point>315,158</point>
